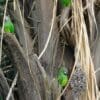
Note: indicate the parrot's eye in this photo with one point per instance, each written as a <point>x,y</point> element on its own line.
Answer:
<point>65,73</point>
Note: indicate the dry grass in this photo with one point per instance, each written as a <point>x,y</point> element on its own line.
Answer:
<point>82,53</point>
<point>82,47</point>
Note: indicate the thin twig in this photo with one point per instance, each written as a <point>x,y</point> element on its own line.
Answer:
<point>97,70</point>
<point>2,30</point>
<point>51,29</point>
<point>33,5</point>
<point>12,87</point>
<point>22,21</point>
<point>65,24</point>
<point>41,67</point>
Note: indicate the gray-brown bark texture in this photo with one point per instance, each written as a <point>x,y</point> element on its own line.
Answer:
<point>96,49</point>
<point>4,87</point>
<point>33,82</point>
<point>37,78</point>
<point>45,13</point>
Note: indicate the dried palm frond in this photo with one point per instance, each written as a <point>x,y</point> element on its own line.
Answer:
<point>81,37</point>
<point>82,50</point>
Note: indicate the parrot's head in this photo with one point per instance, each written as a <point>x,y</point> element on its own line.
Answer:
<point>63,70</point>
<point>66,3</point>
<point>62,76</point>
<point>7,18</point>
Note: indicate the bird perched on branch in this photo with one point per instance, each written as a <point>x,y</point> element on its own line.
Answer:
<point>65,3</point>
<point>8,25</point>
<point>62,76</point>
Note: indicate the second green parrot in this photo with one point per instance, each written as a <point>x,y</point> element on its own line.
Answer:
<point>62,76</point>
<point>65,3</point>
<point>8,25</point>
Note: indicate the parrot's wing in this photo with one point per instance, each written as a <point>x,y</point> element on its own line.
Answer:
<point>7,30</point>
<point>12,28</point>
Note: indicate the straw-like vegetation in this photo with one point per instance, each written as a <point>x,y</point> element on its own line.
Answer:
<point>47,37</point>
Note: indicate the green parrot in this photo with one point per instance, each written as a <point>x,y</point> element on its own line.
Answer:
<point>8,25</point>
<point>66,3</point>
<point>62,76</point>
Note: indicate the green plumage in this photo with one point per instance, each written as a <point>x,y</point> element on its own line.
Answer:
<point>65,3</point>
<point>62,76</point>
<point>8,25</point>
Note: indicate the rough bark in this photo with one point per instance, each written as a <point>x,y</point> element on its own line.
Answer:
<point>44,14</point>
<point>22,29</point>
<point>33,82</point>
<point>28,89</point>
<point>4,87</point>
<point>96,50</point>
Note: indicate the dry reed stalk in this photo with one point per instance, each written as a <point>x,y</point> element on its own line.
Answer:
<point>82,49</point>
<point>83,55</point>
